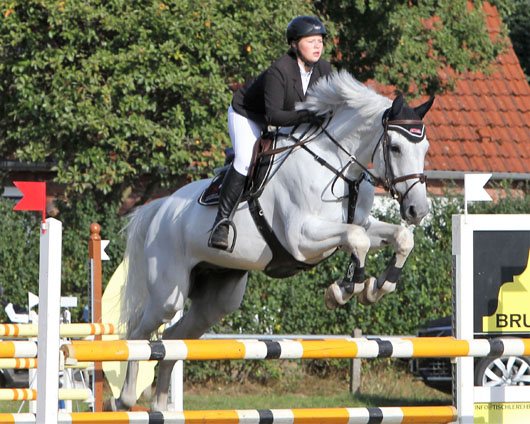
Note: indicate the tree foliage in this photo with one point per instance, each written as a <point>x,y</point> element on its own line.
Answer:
<point>122,91</point>
<point>417,46</point>
<point>123,94</point>
<point>519,25</point>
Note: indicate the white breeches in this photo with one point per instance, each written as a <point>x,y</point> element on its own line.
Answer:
<point>243,134</point>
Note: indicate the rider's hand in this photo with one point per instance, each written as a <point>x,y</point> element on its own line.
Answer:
<point>313,118</point>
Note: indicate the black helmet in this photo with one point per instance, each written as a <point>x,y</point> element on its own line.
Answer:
<point>302,26</point>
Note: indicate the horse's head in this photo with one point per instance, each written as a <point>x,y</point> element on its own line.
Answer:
<point>399,159</point>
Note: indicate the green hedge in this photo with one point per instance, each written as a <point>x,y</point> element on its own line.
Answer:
<point>19,249</point>
<point>280,306</point>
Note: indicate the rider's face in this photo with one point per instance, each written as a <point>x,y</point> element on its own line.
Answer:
<point>311,47</point>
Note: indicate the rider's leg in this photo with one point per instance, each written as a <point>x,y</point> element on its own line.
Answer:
<point>231,191</point>
<point>243,133</point>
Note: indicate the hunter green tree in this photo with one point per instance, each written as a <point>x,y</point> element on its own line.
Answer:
<point>519,25</point>
<point>418,46</point>
<point>126,93</point>
<point>120,92</point>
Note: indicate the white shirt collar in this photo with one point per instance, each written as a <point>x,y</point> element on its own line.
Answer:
<point>306,76</point>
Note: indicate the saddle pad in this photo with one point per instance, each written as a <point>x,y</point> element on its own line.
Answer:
<point>210,196</point>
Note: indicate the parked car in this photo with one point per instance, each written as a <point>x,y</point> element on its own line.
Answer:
<point>438,372</point>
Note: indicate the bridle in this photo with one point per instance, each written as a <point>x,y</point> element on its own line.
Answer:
<point>388,182</point>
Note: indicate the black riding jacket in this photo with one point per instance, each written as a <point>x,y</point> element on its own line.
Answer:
<point>269,98</point>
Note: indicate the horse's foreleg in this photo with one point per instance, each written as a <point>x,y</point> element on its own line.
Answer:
<point>402,239</point>
<point>340,291</point>
<point>322,236</point>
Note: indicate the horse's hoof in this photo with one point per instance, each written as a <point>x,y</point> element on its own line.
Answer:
<point>369,295</point>
<point>329,298</point>
<point>109,405</point>
<point>335,296</point>
<point>372,294</point>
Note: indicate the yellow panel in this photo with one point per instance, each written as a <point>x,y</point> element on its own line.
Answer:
<point>505,413</point>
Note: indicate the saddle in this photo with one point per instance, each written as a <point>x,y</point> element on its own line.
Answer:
<point>260,168</point>
<point>282,264</point>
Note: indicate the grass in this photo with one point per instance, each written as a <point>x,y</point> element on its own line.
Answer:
<point>380,386</point>
<point>383,387</point>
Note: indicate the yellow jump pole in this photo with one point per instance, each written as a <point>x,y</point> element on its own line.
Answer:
<point>421,414</point>
<point>421,347</point>
<point>31,394</point>
<point>18,349</point>
<point>65,330</point>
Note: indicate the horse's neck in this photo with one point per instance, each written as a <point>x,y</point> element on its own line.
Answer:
<point>358,140</point>
<point>297,176</point>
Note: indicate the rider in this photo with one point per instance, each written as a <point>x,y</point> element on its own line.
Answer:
<point>269,99</point>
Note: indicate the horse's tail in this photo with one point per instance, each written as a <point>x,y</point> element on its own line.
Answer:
<point>134,291</point>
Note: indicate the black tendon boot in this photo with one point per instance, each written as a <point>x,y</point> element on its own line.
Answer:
<point>231,192</point>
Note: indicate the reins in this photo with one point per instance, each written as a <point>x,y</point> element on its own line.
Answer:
<point>389,181</point>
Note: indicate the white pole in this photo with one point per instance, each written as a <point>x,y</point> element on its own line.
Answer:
<point>49,313</point>
<point>463,303</point>
<point>32,373</point>
<point>176,390</point>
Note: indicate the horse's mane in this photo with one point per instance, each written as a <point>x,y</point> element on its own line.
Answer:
<point>341,88</point>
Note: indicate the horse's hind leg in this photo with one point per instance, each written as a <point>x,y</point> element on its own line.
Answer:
<point>214,295</point>
<point>402,239</point>
<point>165,297</point>
<point>153,316</point>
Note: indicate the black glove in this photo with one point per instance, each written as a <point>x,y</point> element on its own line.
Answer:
<point>312,118</point>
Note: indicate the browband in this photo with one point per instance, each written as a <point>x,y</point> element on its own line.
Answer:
<point>413,130</point>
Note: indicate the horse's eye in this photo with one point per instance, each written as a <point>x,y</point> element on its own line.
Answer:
<point>394,148</point>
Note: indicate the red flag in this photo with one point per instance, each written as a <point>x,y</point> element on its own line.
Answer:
<point>34,197</point>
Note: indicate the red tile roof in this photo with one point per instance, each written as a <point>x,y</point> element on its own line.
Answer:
<point>484,124</point>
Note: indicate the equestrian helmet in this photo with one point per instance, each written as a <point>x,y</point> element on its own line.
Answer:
<point>302,26</point>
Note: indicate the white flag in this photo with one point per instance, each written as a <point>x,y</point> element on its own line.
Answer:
<point>104,256</point>
<point>474,187</point>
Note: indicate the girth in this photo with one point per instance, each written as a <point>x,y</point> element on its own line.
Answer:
<point>283,264</point>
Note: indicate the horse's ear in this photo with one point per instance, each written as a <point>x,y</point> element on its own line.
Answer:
<point>397,105</point>
<point>421,110</point>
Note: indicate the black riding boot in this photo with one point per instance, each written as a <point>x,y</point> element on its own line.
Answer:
<point>231,192</point>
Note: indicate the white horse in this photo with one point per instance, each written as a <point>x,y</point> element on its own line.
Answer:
<point>307,203</point>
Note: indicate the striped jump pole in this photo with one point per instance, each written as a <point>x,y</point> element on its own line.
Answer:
<point>31,363</point>
<point>65,330</point>
<point>31,394</point>
<point>18,363</point>
<point>18,349</point>
<point>421,347</point>
<point>389,415</point>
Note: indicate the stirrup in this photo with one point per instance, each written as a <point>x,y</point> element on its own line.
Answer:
<point>227,221</point>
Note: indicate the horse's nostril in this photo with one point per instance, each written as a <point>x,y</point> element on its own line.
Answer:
<point>412,212</point>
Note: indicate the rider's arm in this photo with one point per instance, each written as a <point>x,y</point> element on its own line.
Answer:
<point>275,91</point>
